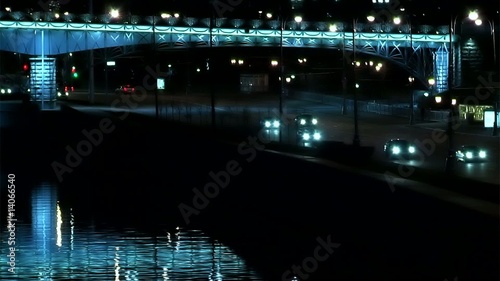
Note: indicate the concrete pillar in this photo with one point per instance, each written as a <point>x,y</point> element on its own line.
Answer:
<point>43,86</point>
<point>440,62</point>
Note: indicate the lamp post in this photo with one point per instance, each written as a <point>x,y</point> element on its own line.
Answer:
<point>450,158</point>
<point>474,16</point>
<point>333,28</point>
<point>411,79</point>
<point>114,14</point>
<point>210,73</point>
<point>298,19</point>
<point>356,141</point>
<point>157,114</point>
<point>91,64</point>
<point>397,21</point>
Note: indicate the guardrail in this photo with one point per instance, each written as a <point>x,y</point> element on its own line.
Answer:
<point>399,110</point>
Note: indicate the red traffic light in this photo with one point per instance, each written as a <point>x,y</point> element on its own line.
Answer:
<point>25,67</point>
<point>73,69</point>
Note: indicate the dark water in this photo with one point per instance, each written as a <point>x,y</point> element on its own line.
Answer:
<point>278,219</point>
<point>53,243</point>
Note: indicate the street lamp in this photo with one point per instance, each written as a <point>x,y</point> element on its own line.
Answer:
<point>298,19</point>
<point>333,28</point>
<point>474,16</point>
<point>411,79</point>
<point>114,13</point>
<point>450,159</point>
<point>397,21</point>
<point>431,82</point>
<point>211,71</point>
<point>355,141</point>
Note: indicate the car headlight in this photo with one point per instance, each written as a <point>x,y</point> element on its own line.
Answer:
<point>317,136</point>
<point>396,150</point>
<point>482,154</point>
<point>306,136</point>
<point>411,149</point>
<point>9,91</point>
<point>315,121</point>
<point>276,123</point>
<point>302,121</point>
<point>67,94</point>
<point>468,155</point>
<point>267,124</point>
<point>58,94</point>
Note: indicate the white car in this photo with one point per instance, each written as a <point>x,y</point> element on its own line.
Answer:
<point>399,148</point>
<point>309,134</point>
<point>470,153</point>
<point>305,120</point>
<point>271,123</point>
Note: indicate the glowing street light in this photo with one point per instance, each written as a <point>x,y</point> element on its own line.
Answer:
<point>473,15</point>
<point>333,28</point>
<point>298,19</point>
<point>431,81</point>
<point>370,18</point>
<point>397,20</point>
<point>165,15</point>
<point>114,13</point>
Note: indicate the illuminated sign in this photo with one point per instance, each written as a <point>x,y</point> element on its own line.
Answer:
<point>160,84</point>
<point>489,119</point>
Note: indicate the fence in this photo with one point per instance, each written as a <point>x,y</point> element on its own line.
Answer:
<point>396,109</point>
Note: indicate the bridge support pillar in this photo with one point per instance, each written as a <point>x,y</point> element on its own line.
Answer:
<point>441,66</point>
<point>43,87</point>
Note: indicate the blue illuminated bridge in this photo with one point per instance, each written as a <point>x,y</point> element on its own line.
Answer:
<point>424,51</point>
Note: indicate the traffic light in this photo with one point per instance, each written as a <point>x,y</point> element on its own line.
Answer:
<point>73,70</point>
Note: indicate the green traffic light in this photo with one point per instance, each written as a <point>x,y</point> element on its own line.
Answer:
<point>75,75</point>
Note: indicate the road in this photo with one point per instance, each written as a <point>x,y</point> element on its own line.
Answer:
<point>374,129</point>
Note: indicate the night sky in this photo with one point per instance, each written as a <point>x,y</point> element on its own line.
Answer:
<point>424,11</point>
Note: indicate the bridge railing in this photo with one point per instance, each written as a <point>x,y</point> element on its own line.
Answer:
<point>263,24</point>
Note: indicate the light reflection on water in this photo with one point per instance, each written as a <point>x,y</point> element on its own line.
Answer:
<point>54,246</point>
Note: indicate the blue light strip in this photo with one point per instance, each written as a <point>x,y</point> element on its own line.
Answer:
<point>129,28</point>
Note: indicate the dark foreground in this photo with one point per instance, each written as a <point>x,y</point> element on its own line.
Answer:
<point>283,216</point>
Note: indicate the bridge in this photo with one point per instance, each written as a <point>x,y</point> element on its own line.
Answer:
<point>423,51</point>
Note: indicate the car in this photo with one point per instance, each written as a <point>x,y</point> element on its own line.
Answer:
<point>65,92</point>
<point>309,134</point>
<point>305,120</point>
<point>470,153</point>
<point>399,148</point>
<point>271,123</point>
<point>125,89</point>
<point>5,90</point>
